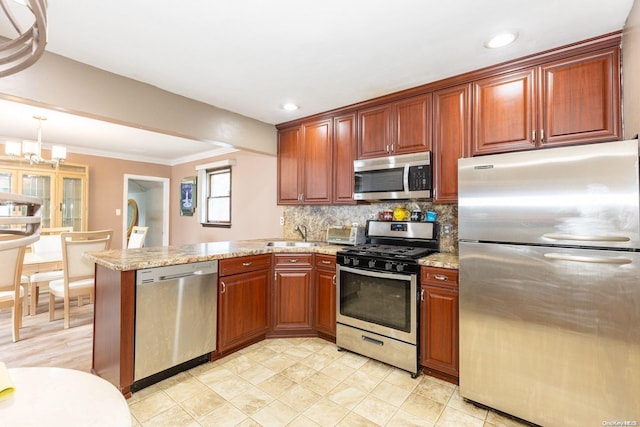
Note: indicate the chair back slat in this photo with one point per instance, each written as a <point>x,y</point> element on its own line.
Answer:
<point>74,245</point>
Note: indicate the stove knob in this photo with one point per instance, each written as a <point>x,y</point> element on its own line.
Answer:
<point>400,267</point>
<point>346,260</point>
<point>388,266</point>
<point>356,262</point>
<point>372,263</point>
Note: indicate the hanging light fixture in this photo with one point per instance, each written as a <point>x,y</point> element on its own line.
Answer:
<point>32,150</point>
<point>24,50</point>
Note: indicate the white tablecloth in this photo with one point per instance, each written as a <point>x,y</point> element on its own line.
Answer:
<point>62,397</point>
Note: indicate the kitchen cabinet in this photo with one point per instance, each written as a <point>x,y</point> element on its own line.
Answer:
<point>344,147</point>
<point>305,163</point>
<point>451,139</point>
<point>292,294</point>
<point>568,101</point>
<point>63,190</point>
<point>244,287</point>
<point>324,295</point>
<point>400,127</point>
<point>439,322</point>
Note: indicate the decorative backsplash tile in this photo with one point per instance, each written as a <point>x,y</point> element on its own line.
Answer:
<point>319,218</point>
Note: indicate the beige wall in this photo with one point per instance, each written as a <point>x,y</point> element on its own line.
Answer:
<point>631,72</point>
<point>254,211</point>
<point>106,188</point>
<point>62,84</point>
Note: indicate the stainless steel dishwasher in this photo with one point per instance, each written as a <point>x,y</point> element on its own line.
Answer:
<point>176,309</point>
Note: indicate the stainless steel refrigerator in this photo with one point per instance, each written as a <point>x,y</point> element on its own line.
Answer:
<point>550,283</point>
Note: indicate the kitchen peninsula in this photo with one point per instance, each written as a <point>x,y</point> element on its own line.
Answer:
<point>115,310</point>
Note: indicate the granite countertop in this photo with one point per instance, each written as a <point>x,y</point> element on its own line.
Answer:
<point>159,256</point>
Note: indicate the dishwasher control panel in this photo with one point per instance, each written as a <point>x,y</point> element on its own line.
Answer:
<point>169,272</point>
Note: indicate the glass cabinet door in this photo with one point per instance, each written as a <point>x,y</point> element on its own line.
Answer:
<point>39,186</point>
<point>72,193</point>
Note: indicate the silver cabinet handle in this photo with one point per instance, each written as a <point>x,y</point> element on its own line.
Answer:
<point>588,259</point>
<point>421,294</point>
<point>247,264</point>
<point>324,261</point>
<point>441,277</point>
<point>293,260</point>
<point>586,238</point>
<point>334,280</point>
<point>541,135</point>
<point>224,288</point>
<point>533,136</point>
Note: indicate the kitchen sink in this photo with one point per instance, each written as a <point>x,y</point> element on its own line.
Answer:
<point>291,244</point>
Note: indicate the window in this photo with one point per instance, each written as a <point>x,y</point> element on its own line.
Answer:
<point>216,191</point>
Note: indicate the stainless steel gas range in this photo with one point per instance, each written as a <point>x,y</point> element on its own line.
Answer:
<point>377,292</point>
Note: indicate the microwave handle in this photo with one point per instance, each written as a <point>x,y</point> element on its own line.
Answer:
<point>405,178</point>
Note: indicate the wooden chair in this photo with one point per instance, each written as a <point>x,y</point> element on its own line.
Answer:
<point>138,234</point>
<point>11,291</point>
<point>49,244</point>
<point>79,272</point>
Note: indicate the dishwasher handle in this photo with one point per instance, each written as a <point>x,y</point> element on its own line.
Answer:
<point>181,275</point>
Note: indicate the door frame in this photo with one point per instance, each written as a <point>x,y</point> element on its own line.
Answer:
<point>165,205</point>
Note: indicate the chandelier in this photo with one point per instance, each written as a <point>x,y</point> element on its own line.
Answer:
<point>32,150</point>
<point>24,50</point>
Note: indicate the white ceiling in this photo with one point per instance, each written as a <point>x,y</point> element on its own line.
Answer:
<point>251,56</point>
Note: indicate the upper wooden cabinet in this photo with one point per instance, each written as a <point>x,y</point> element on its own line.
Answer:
<point>568,101</point>
<point>305,163</point>
<point>396,128</point>
<point>64,191</point>
<point>344,146</point>
<point>451,139</point>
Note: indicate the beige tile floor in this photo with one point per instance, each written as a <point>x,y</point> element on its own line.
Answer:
<point>304,382</point>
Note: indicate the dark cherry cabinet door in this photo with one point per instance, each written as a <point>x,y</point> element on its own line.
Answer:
<point>324,284</point>
<point>451,139</point>
<point>504,113</point>
<point>243,304</point>
<point>412,125</point>
<point>374,132</point>
<point>344,148</point>
<point>289,155</point>
<point>581,99</point>
<point>317,166</point>
<point>292,294</point>
<point>439,333</point>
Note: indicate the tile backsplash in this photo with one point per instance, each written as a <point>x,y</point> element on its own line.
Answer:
<point>319,218</point>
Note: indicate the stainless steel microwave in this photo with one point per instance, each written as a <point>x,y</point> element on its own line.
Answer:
<point>407,176</point>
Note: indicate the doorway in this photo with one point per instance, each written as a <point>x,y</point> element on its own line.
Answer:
<point>151,196</point>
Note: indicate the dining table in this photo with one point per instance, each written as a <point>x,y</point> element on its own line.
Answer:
<point>52,397</point>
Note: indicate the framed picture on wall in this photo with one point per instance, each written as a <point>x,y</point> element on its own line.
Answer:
<point>187,196</point>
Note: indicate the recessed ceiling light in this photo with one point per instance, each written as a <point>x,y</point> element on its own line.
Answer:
<point>501,40</point>
<point>290,106</point>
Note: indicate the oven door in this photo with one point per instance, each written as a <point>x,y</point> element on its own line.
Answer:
<point>379,302</point>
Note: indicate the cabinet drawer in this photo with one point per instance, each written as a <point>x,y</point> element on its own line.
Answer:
<point>293,260</point>
<point>326,262</point>
<point>439,277</point>
<point>243,264</point>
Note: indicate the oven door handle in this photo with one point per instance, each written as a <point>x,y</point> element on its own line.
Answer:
<point>372,341</point>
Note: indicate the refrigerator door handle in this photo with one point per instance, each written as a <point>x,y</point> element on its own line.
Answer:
<point>586,238</point>
<point>588,259</point>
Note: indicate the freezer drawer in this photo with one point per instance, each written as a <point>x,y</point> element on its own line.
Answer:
<point>549,334</point>
<point>176,316</point>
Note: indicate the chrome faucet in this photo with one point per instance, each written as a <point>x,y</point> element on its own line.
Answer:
<point>302,229</point>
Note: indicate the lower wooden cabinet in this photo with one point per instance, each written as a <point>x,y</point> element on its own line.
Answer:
<point>292,294</point>
<point>244,287</point>
<point>439,322</point>
<point>324,295</point>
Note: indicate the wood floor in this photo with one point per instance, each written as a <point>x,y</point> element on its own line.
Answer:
<point>44,343</point>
